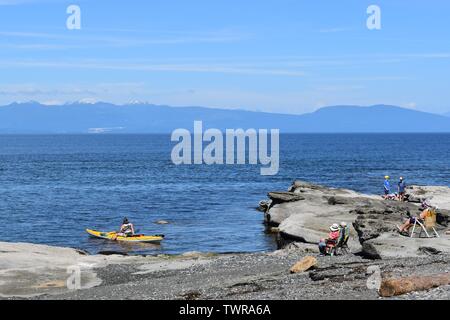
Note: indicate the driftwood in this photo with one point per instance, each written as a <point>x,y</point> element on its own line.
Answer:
<point>303,265</point>
<point>398,286</point>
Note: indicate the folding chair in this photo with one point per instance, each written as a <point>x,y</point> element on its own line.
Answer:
<point>330,249</point>
<point>428,224</point>
<point>342,246</point>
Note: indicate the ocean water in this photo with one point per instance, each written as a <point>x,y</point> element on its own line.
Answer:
<point>52,187</point>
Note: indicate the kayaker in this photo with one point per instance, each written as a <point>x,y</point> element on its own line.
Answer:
<point>126,229</point>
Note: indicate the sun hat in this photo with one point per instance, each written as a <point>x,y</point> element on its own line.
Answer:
<point>334,227</point>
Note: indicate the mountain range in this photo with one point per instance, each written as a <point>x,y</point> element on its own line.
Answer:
<point>101,117</point>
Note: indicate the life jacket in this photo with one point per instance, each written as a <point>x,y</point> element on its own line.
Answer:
<point>127,229</point>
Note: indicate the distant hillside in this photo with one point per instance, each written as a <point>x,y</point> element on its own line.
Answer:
<point>379,118</point>
<point>101,117</point>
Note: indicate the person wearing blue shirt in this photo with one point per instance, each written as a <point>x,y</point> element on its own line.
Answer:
<point>401,189</point>
<point>387,186</point>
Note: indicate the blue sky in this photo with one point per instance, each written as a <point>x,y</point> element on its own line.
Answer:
<point>277,56</point>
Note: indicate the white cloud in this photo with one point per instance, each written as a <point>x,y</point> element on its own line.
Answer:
<point>52,102</point>
<point>411,105</point>
<point>34,90</point>
<point>12,2</point>
<point>275,66</point>
<point>334,30</point>
<point>149,67</point>
<point>51,41</point>
<point>24,2</point>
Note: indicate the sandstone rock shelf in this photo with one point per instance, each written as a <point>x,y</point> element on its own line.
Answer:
<point>304,213</point>
<point>40,272</point>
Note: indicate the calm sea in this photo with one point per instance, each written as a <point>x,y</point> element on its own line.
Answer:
<point>52,187</point>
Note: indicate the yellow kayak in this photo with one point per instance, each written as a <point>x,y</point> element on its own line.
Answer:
<point>135,238</point>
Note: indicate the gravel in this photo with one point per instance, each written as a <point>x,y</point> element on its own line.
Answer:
<point>257,276</point>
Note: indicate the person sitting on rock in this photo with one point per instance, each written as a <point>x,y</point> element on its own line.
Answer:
<point>391,196</point>
<point>344,232</point>
<point>126,229</point>
<point>332,236</point>
<point>404,228</point>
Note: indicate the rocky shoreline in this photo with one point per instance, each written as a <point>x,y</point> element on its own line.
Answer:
<point>302,215</point>
<point>299,216</point>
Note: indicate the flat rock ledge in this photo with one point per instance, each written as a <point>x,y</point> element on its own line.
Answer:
<point>303,214</point>
<point>29,271</point>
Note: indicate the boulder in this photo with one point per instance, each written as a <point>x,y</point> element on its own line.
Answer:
<point>274,230</point>
<point>264,205</point>
<point>303,265</point>
<point>300,184</point>
<point>333,200</point>
<point>280,197</point>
